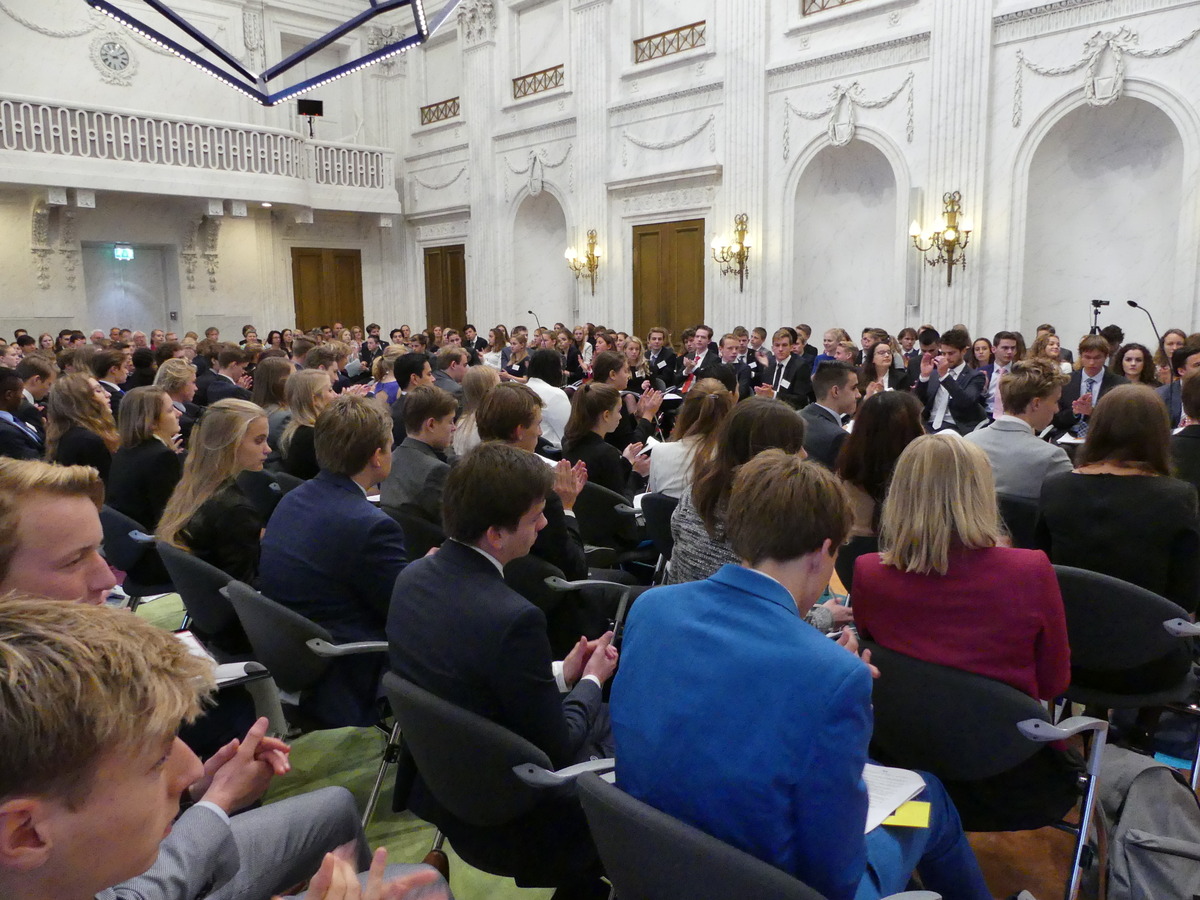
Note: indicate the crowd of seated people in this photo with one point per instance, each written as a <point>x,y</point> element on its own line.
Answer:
<point>912,439</point>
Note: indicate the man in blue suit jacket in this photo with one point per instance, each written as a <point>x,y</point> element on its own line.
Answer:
<point>734,715</point>
<point>952,392</point>
<point>332,556</point>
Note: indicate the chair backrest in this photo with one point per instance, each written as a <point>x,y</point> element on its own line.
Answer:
<point>600,525</point>
<point>120,549</point>
<point>1020,517</point>
<point>420,535</point>
<point>279,638</point>
<point>649,855</point>
<point>527,576</point>
<point>199,585</point>
<point>465,760</point>
<point>1112,624</point>
<point>853,549</point>
<point>657,508</point>
<point>957,725</point>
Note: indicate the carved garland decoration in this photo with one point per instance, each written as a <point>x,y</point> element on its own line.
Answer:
<point>628,138</point>
<point>843,103</point>
<point>39,243</point>
<point>477,19</point>
<point>67,246</point>
<point>200,241</point>
<point>535,170</point>
<point>439,186</point>
<point>1103,51</point>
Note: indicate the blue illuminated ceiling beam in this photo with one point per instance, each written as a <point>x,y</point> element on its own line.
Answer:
<point>255,86</point>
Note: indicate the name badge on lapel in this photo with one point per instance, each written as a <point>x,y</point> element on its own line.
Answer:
<point>784,384</point>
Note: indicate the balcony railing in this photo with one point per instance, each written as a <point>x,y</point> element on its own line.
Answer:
<point>537,82</point>
<point>47,127</point>
<point>808,7</point>
<point>665,43</point>
<point>440,112</point>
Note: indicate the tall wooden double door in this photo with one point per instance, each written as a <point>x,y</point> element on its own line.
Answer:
<point>668,276</point>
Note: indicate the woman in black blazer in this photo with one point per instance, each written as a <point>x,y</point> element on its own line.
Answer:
<point>596,411</point>
<point>209,515</point>
<point>878,369</point>
<point>637,421</point>
<point>1095,518</point>
<point>308,392</point>
<point>79,428</point>
<point>147,467</point>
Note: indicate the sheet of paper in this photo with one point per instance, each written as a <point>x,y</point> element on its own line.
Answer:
<point>886,790</point>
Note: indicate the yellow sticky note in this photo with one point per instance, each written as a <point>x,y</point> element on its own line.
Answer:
<point>913,814</point>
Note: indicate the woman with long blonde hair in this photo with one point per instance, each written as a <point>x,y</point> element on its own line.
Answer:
<point>308,392</point>
<point>945,589</point>
<point>208,513</point>
<point>477,381</point>
<point>80,430</point>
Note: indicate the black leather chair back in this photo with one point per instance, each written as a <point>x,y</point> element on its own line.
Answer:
<point>420,535</point>
<point>1020,517</point>
<point>466,761</point>
<point>649,855</point>
<point>957,725</point>
<point>600,525</point>
<point>199,585</point>
<point>279,638</point>
<point>657,508</point>
<point>1112,624</point>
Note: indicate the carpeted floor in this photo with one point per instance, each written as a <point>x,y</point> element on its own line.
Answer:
<point>1036,861</point>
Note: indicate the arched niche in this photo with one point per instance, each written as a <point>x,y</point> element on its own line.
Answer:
<point>1102,220</point>
<point>542,281</point>
<point>845,241</point>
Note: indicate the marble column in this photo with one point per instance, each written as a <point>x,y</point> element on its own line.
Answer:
<point>960,55</point>
<point>480,102</point>
<point>589,80</point>
<point>741,31</point>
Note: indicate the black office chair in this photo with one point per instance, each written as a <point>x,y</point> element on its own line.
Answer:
<point>965,728</point>
<point>849,552</point>
<point>649,855</point>
<point>657,509</point>
<point>209,614</point>
<point>1116,628</point>
<point>1020,517</point>
<point>486,777</point>
<point>420,535</point>
<point>607,520</point>
<point>129,548</point>
<point>298,654</point>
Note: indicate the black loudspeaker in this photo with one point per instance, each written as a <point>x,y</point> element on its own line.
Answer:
<point>310,107</point>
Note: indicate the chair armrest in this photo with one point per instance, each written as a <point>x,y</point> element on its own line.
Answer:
<point>536,776</point>
<point>1044,732</point>
<point>140,537</point>
<point>561,584</point>
<point>914,895</point>
<point>624,509</point>
<point>324,648</point>
<point>1181,628</point>
<point>231,674</point>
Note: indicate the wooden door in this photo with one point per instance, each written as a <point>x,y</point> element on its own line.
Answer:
<point>446,286</point>
<point>327,286</point>
<point>668,276</point>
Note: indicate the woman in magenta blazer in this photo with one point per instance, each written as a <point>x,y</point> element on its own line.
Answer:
<point>945,590</point>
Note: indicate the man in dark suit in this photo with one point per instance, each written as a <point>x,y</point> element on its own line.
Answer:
<point>412,370</point>
<point>696,365</point>
<point>451,367</point>
<point>1087,386</point>
<point>727,351</point>
<point>17,439</point>
<point>419,464</point>
<point>659,355</point>
<point>456,630</point>
<point>927,342</point>
<point>836,387</point>
<point>111,368</point>
<point>788,378</point>
<point>332,556</point>
<point>1185,446</point>
<point>953,394</point>
<point>38,376</point>
<point>231,380</point>
<point>1185,362</point>
<point>472,339</point>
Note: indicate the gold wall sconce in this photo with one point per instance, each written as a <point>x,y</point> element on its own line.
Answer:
<point>732,256</point>
<point>586,265</point>
<point>949,238</point>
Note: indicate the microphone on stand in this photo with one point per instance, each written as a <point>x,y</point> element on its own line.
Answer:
<point>1157,336</point>
<point>539,321</point>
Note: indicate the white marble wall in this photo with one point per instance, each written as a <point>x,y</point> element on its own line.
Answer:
<point>864,114</point>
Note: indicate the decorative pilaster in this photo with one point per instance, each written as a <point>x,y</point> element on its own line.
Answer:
<point>477,33</point>
<point>960,54</point>
<point>741,34</point>
<point>589,80</point>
